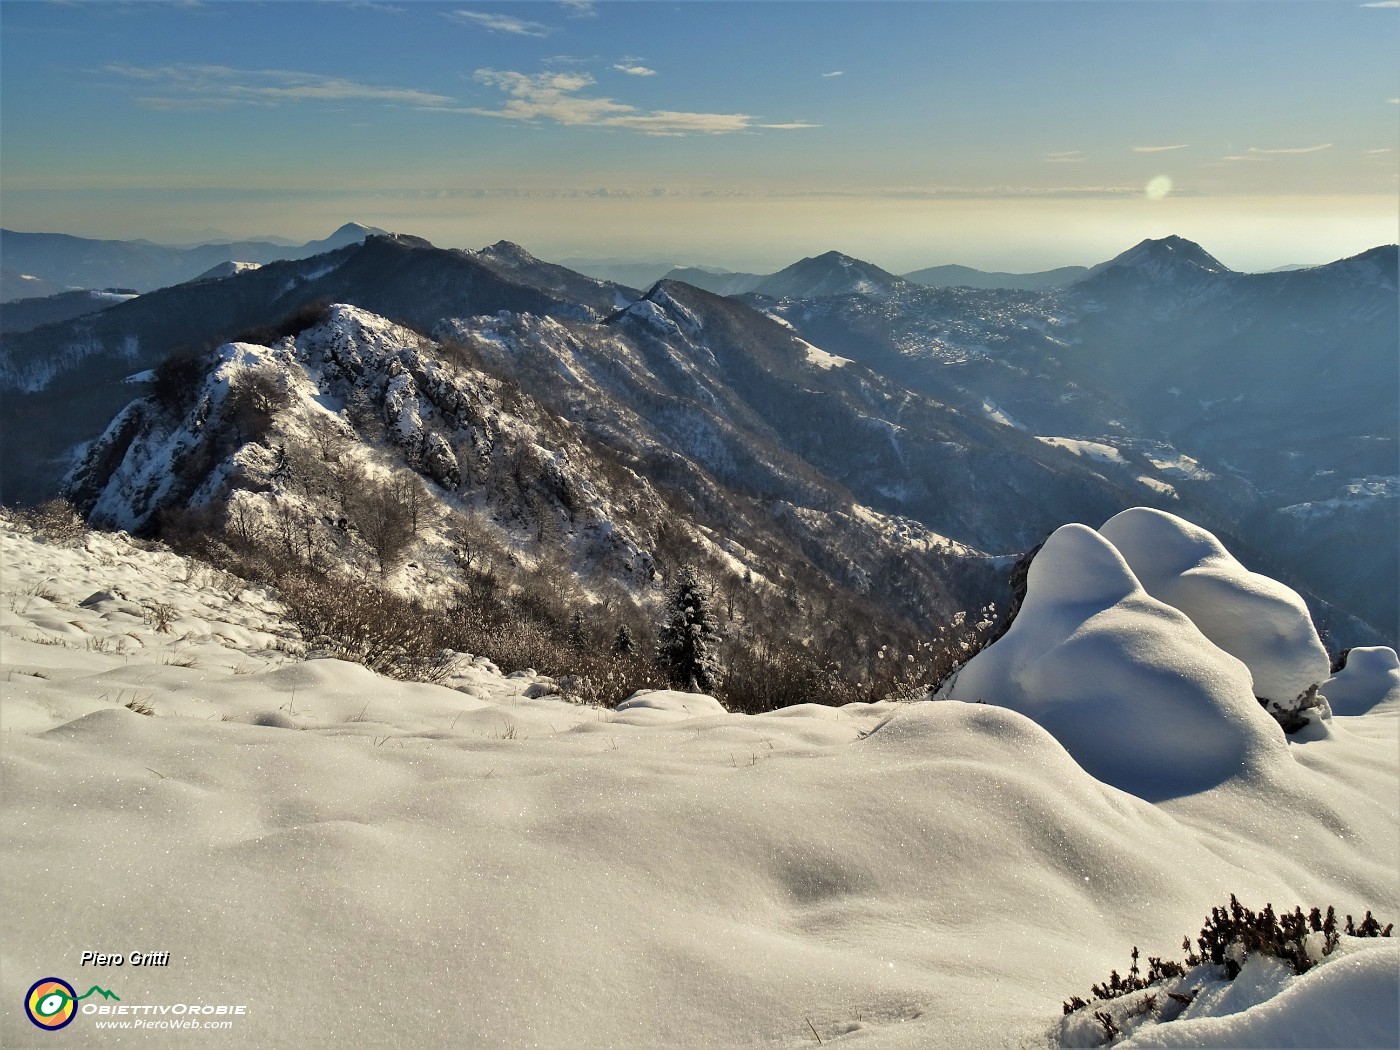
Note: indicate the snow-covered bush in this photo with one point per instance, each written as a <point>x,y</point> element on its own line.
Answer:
<point>1229,938</point>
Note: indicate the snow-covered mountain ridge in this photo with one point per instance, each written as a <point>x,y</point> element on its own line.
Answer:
<point>591,476</point>
<point>1278,387</point>
<point>938,418</point>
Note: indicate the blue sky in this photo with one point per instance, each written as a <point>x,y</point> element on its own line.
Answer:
<point>999,134</point>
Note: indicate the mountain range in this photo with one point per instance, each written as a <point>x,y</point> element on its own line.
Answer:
<point>39,264</point>
<point>728,282</point>
<point>831,424</point>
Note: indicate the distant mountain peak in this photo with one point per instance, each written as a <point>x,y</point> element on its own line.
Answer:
<point>227,269</point>
<point>508,253</point>
<point>350,233</point>
<point>832,273</point>
<point>1159,257</point>
<point>355,231</point>
<point>953,276</point>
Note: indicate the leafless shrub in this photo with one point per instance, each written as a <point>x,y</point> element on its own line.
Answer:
<point>160,615</point>
<point>329,436</point>
<point>54,521</point>
<point>177,379</point>
<point>388,515</point>
<point>255,397</point>
<point>369,625</point>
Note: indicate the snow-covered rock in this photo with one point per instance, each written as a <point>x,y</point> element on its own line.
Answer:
<point>1105,667</point>
<point>1370,678</point>
<point>1262,622</point>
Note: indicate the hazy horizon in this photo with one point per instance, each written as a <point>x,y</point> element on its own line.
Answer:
<point>1006,136</point>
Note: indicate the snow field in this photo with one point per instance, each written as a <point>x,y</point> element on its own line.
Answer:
<point>415,865</point>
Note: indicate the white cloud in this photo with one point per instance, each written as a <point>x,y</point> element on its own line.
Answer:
<point>669,122</point>
<point>194,87</point>
<point>636,71</point>
<point>499,23</point>
<point>894,193</point>
<point>555,97</point>
<point>835,73</point>
<point>1382,3</point>
<point>1064,156</point>
<point>579,8</point>
<point>793,125</point>
<point>1293,149</point>
<point>1157,149</point>
<point>1383,149</point>
<point>175,104</point>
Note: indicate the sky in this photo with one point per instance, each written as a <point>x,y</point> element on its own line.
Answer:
<point>1004,135</point>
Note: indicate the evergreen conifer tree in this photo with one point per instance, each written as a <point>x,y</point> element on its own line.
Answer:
<point>622,641</point>
<point>578,635</point>
<point>686,649</point>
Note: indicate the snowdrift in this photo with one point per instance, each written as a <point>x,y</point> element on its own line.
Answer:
<point>1130,686</point>
<point>1252,617</point>
<point>366,862</point>
<point>1370,678</point>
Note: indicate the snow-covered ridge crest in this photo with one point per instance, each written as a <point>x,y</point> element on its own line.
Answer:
<point>351,370</point>
<point>661,311</point>
<point>145,452</point>
<point>451,422</point>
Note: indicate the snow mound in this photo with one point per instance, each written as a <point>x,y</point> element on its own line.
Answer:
<point>670,703</point>
<point>1370,678</point>
<point>1128,684</point>
<point>1346,1002</point>
<point>1252,617</point>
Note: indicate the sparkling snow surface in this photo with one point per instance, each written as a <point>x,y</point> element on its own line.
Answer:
<point>372,863</point>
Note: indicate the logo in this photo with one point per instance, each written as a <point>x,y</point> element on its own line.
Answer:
<point>52,1003</point>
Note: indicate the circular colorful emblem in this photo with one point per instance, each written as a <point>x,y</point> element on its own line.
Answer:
<point>51,1003</point>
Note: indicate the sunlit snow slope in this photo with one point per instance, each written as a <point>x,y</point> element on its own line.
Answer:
<point>365,862</point>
